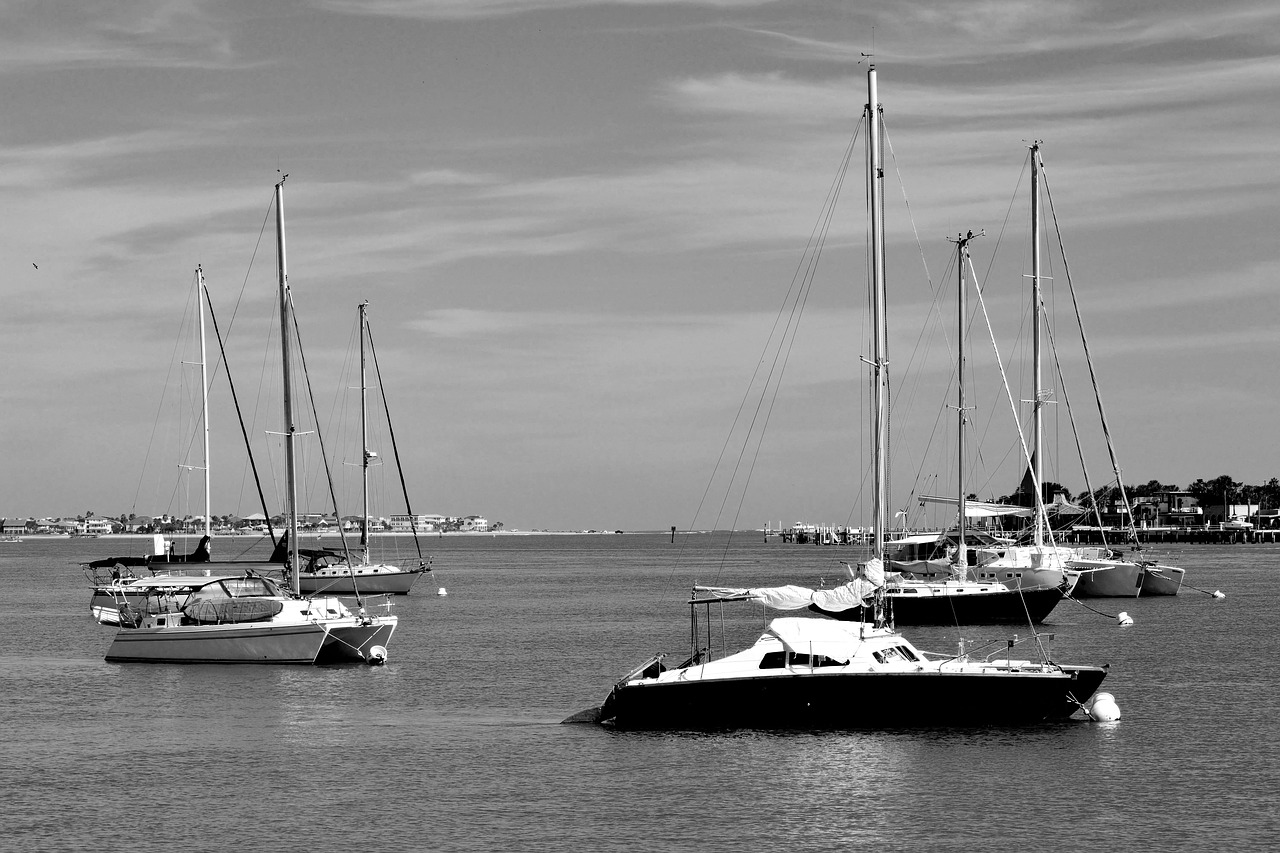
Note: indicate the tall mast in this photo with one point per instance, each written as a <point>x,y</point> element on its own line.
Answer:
<point>289,426</point>
<point>204,395</point>
<point>365,455</point>
<point>875,179</point>
<point>1037,403</point>
<point>962,258</point>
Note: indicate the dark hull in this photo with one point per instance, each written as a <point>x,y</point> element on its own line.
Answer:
<point>383,583</point>
<point>352,644</point>
<point>1016,607</point>
<point>855,700</point>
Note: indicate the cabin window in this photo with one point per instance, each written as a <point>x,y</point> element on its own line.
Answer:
<point>895,654</point>
<point>246,587</point>
<point>778,660</point>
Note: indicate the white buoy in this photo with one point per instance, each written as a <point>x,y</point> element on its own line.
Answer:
<point>1124,619</point>
<point>1103,708</point>
<point>441,591</point>
<point>377,656</point>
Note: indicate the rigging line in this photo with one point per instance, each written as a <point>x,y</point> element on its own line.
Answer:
<point>1014,409</point>
<point>797,311</point>
<point>156,420</point>
<point>986,279</point>
<point>324,457</point>
<point>266,218</point>
<point>1075,432</point>
<point>395,448</point>
<point>934,317</point>
<point>1084,340</point>
<point>264,377</point>
<point>768,344</point>
<point>935,291</point>
<point>793,296</point>
<point>341,403</point>
<point>793,325</point>
<point>240,419</point>
<point>886,487</point>
<point>185,454</point>
<point>915,231</point>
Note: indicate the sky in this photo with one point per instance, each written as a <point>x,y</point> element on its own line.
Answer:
<point>577,222</point>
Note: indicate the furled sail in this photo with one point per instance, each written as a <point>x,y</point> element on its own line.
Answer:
<point>855,593</point>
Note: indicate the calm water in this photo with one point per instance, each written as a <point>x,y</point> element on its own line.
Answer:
<point>456,743</point>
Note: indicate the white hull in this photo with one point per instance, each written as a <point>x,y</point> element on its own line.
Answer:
<point>220,644</point>
<point>329,641</point>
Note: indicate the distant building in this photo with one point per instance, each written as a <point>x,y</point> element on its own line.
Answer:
<point>476,523</point>
<point>408,523</point>
<point>15,526</point>
<point>1180,509</point>
<point>93,526</point>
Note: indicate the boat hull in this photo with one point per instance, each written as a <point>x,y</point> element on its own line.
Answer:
<point>352,643</point>
<point>855,700</point>
<point>374,583</point>
<point>1127,580</point>
<point>293,644</point>
<point>1017,607</point>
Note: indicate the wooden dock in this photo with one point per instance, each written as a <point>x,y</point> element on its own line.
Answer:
<point>819,535</point>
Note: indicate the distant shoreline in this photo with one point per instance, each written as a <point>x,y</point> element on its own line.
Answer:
<point>310,534</point>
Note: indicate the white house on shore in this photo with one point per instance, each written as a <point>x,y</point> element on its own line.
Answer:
<point>408,523</point>
<point>93,527</point>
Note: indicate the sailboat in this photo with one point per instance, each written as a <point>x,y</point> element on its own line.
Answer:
<point>806,671</point>
<point>117,582</point>
<point>1017,595</point>
<point>250,618</point>
<point>1088,571</point>
<point>337,573</point>
<point>1100,571</point>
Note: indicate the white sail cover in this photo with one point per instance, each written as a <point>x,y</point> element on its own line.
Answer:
<point>855,593</point>
<point>980,509</point>
<point>836,640</point>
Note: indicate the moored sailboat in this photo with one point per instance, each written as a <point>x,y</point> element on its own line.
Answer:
<point>860,672</point>
<point>1101,572</point>
<point>337,573</point>
<point>117,581</point>
<point>805,672</point>
<point>957,598</point>
<point>249,618</point>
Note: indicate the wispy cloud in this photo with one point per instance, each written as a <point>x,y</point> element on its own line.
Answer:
<point>137,33</point>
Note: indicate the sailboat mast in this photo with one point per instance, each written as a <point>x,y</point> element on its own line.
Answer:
<point>204,395</point>
<point>289,426</point>
<point>364,440</point>
<point>962,247</point>
<point>962,261</point>
<point>875,180</point>
<point>1037,403</point>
